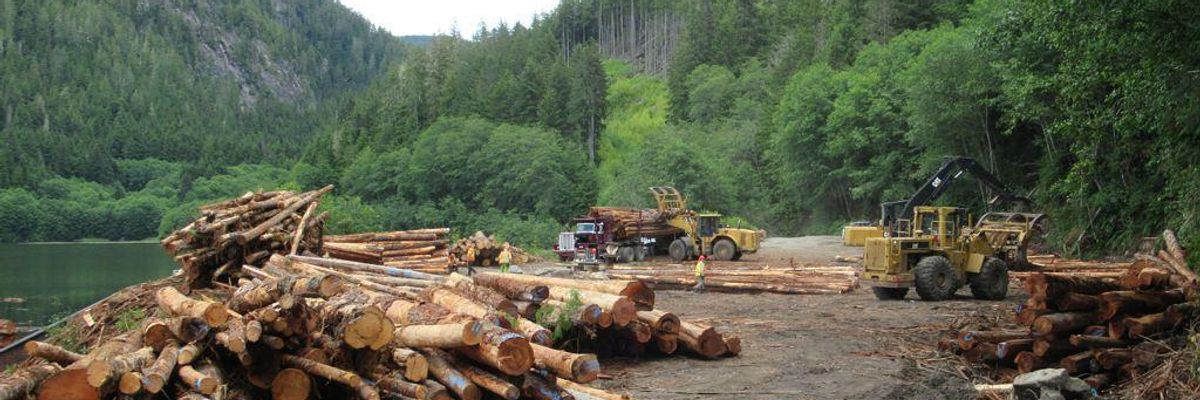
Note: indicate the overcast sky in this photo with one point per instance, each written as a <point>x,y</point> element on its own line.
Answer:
<point>428,17</point>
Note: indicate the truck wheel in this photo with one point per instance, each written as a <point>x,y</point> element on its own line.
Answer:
<point>678,250</point>
<point>889,293</point>
<point>640,253</point>
<point>724,250</point>
<point>737,256</point>
<point>625,254</point>
<point>991,283</point>
<point>935,278</point>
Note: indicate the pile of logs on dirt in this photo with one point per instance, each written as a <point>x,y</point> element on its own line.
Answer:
<point>246,231</point>
<point>419,249</point>
<point>631,222</point>
<point>736,277</point>
<point>1103,329</point>
<point>487,250</point>
<point>310,327</point>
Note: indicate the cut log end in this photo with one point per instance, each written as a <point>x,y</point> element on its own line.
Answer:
<point>291,384</point>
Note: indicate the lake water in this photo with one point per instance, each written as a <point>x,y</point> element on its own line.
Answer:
<point>57,279</point>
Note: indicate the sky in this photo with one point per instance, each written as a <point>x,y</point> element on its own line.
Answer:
<point>428,17</point>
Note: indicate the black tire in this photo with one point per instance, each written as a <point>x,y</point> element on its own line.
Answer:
<point>991,283</point>
<point>724,250</point>
<point>678,250</point>
<point>737,256</point>
<point>625,254</point>
<point>935,278</point>
<point>640,253</point>
<point>888,293</point>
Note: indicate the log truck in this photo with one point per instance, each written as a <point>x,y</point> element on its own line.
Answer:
<point>682,233</point>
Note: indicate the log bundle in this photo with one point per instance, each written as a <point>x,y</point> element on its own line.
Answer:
<point>1106,328</point>
<point>419,249</point>
<point>633,222</point>
<point>487,248</point>
<point>246,231</point>
<point>732,277</point>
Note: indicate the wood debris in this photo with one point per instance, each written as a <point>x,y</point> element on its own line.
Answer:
<point>418,249</point>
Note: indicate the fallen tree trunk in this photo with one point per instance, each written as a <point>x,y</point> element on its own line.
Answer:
<point>154,377</point>
<point>1131,302</point>
<point>488,381</point>
<point>441,368</point>
<point>636,291</point>
<point>177,304</point>
<point>22,382</point>
<point>344,377</point>
<point>504,350</point>
<point>395,383</point>
<point>1066,322</point>
<point>51,353</point>
<point>702,340</point>
<point>440,336</point>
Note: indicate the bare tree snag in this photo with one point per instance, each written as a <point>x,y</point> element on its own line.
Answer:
<point>177,304</point>
<point>291,384</point>
<point>440,336</point>
<point>22,382</point>
<point>441,368</point>
<point>51,353</point>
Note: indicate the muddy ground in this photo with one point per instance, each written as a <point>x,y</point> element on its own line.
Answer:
<point>806,346</point>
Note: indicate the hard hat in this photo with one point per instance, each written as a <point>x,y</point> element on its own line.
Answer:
<point>701,258</point>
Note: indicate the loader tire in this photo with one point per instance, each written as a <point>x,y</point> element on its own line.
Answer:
<point>626,254</point>
<point>724,250</point>
<point>678,250</point>
<point>935,278</point>
<point>889,293</point>
<point>991,283</point>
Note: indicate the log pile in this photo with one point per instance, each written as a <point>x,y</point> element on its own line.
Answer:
<point>487,250</point>
<point>419,249</point>
<point>8,332</point>
<point>632,222</point>
<point>1103,329</point>
<point>246,231</point>
<point>734,277</point>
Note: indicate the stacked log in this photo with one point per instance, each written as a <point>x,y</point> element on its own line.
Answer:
<point>1092,325</point>
<point>246,231</point>
<point>729,277</point>
<point>418,249</point>
<point>487,249</point>
<point>632,222</point>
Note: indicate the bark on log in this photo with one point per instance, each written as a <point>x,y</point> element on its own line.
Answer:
<point>968,339</point>
<point>502,349</point>
<point>102,373</point>
<point>1061,323</point>
<point>1111,359</point>
<point>436,391</point>
<point>441,368</point>
<point>660,321</point>
<point>177,304</point>
<point>1053,349</point>
<point>1100,380</point>
<point>291,383</point>
<point>1007,350</point>
<point>981,353</point>
<point>1096,342</point>
<point>440,336</point>
<point>636,291</point>
<point>623,310</point>
<point>51,353</point>
<point>702,340</point>
<point>358,324</point>
<point>416,367</point>
<point>527,309</point>
<point>244,237</point>
<point>299,236</point>
<point>358,266</point>
<point>395,383</point>
<point>462,305</point>
<point>1077,302</point>
<point>1131,302</point>
<point>1184,312</point>
<point>22,382</point>
<point>189,352</point>
<point>638,332</point>
<point>1176,251</point>
<point>198,381</point>
<point>666,344</point>
<point>582,368</point>
<point>488,381</point>
<point>338,375</point>
<point>589,391</point>
<point>1051,285</point>
<point>514,289</point>
<point>155,376</point>
<point>1077,363</point>
<point>536,387</point>
<point>1148,325</point>
<point>1179,267</point>
<point>1027,361</point>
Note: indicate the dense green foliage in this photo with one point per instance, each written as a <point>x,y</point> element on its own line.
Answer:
<point>795,116</point>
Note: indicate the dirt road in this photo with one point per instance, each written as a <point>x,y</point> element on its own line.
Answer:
<point>804,347</point>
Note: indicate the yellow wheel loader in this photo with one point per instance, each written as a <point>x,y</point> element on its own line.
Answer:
<point>703,233</point>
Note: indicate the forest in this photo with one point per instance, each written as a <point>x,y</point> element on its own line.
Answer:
<point>792,116</point>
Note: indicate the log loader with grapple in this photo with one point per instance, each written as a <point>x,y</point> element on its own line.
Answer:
<point>940,249</point>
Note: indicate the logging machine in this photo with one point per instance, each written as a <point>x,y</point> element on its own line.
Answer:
<point>940,249</point>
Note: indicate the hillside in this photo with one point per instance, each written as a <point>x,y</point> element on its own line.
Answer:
<point>105,96</point>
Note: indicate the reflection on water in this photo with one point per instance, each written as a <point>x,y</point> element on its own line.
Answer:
<point>54,280</point>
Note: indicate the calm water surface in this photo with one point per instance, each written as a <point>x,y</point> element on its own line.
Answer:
<point>58,279</point>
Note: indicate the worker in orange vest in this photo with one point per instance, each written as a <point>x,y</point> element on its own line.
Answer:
<point>699,276</point>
